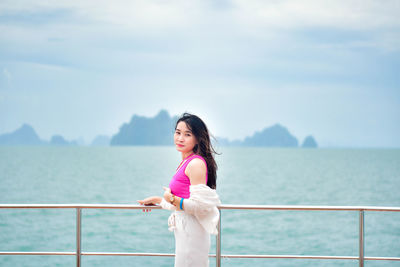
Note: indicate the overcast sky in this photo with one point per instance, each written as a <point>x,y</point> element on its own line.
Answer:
<point>82,68</point>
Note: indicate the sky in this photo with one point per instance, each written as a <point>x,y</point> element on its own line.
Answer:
<point>324,68</point>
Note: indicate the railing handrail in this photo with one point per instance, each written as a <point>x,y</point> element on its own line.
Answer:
<point>221,207</point>
<point>218,256</point>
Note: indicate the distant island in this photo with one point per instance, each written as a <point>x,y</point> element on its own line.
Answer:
<point>274,136</point>
<point>101,140</point>
<point>26,135</point>
<point>58,140</point>
<point>157,131</point>
<point>309,142</point>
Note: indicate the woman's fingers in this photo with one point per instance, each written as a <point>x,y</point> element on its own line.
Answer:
<point>145,202</point>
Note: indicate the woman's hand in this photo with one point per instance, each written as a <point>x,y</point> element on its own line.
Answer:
<point>167,194</point>
<point>154,200</point>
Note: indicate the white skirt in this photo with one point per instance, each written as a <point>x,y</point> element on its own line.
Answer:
<point>192,242</point>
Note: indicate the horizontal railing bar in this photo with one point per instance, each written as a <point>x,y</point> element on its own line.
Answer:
<point>90,253</point>
<point>127,254</point>
<point>225,206</point>
<point>299,207</point>
<point>382,258</point>
<point>75,206</point>
<point>224,256</point>
<point>211,255</point>
<point>37,253</point>
<point>292,257</point>
<point>132,254</point>
<point>310,257</point>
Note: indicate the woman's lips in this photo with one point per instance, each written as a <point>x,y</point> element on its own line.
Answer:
<point>180,145</point>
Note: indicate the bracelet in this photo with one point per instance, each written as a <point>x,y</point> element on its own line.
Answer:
<point>180,203</point>
<point>172,199</point>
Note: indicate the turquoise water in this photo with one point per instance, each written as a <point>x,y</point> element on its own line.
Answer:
<point>121,175</point>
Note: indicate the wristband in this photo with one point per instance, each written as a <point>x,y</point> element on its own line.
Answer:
<point>180,203</point>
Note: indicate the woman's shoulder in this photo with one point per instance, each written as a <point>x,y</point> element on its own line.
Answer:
<point>197,160</point>
<point>197,163</point>
<point>196,170</point>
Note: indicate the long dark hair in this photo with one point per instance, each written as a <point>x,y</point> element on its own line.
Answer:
<point>204,147</point>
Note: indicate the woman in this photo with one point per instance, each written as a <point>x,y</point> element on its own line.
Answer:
<point>191,193</point>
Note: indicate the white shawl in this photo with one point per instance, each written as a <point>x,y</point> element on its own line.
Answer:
<point>202,204</point>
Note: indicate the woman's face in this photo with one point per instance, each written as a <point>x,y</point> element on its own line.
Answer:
<point>184,138</point>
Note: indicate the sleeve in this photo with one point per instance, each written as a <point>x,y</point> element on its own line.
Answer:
<point>206,214</point>
<point>203,204</point>
<point>166,205</point>
<point>196,207</point>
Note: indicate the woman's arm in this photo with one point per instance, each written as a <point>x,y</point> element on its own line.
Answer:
<point>154,200</point>
<point>196,170</point>
<point>208,200</point>
<point>167,199</point>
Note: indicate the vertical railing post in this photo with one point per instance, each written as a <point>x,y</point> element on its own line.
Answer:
<point>78,237</point>
<point>361,239</point>
<point>218,244</point>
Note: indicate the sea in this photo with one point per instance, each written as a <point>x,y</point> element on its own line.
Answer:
<point>246,176</point>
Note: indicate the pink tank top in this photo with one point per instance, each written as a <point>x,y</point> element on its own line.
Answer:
<point>180,182</point>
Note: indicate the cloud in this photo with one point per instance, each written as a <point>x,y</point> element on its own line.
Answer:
<point>33,18</point>
<point>128,14</point>
<point>348,14</point>
<point>188,36</point>
<point>204,23</point>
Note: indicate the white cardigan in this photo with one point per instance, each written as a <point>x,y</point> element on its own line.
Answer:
<point>202,204</point>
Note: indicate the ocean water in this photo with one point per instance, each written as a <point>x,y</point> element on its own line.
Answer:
<point>121,175</point>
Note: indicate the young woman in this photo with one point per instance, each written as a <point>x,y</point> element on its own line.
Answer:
<point>191,194</point>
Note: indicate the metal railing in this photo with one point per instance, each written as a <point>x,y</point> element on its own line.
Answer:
<point>78,253</point>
